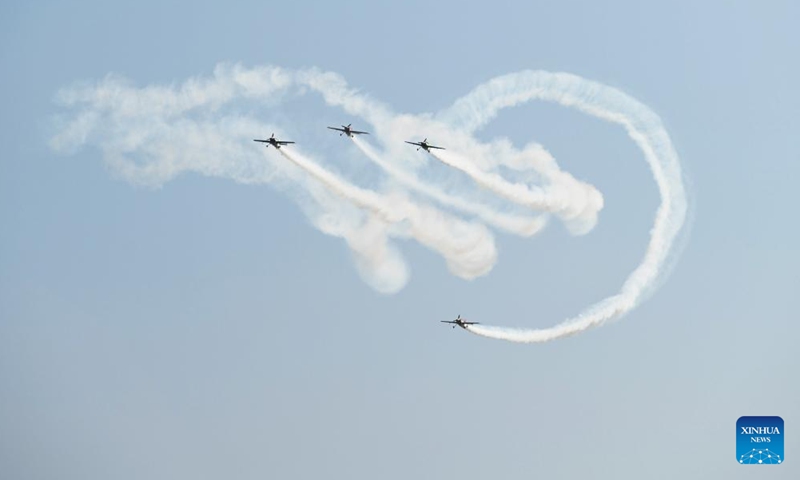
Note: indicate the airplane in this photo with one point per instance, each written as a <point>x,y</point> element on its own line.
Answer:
<point>273,141</point>
<point>348,131</point>
<point>424,145</point>
<point>461,323</point>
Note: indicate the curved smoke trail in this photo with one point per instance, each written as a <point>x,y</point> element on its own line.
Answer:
<point>643,126</point>
<point>153,134</point>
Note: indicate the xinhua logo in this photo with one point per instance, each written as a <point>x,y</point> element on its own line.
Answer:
<point>759,440</point>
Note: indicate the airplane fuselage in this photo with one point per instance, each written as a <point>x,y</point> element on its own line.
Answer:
<point>272,141</point>
<point>424,145</point>
<point>348,130</point>
<point>460,322</point>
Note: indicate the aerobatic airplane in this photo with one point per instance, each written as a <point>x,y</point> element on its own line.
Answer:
<point>273,141</point>
<point>348,131</point>
<point>461,323</point>
<point>424,145</point>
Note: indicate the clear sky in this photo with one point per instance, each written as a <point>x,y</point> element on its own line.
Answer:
<point>205,329</point>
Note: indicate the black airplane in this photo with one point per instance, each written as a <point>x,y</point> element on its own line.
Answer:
<point>424,145</point>
<point>348,131</point>
<point>461,323</point>
<point>273,141</point>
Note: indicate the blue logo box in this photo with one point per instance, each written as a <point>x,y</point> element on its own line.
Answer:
<point>759,440</point>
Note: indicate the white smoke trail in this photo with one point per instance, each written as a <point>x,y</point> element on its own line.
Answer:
<point>646,130</point>
<point>468,248</point>
<point>510,223</point>
<point>577,205</point>
<point>153,134</point>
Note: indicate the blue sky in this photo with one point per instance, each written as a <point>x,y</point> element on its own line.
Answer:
<point>205,329</point>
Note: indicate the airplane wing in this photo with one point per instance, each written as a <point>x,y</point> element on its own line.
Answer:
<point>339,129</point>
<point>358,132</point>
<point>438,148</point>
<point>414,143</point>
<point>471,323</point>
<point>262,141</point>
<point>284,143</point>
<point>448,321</point>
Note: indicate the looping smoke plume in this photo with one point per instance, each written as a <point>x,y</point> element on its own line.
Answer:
<point>150,135</point>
